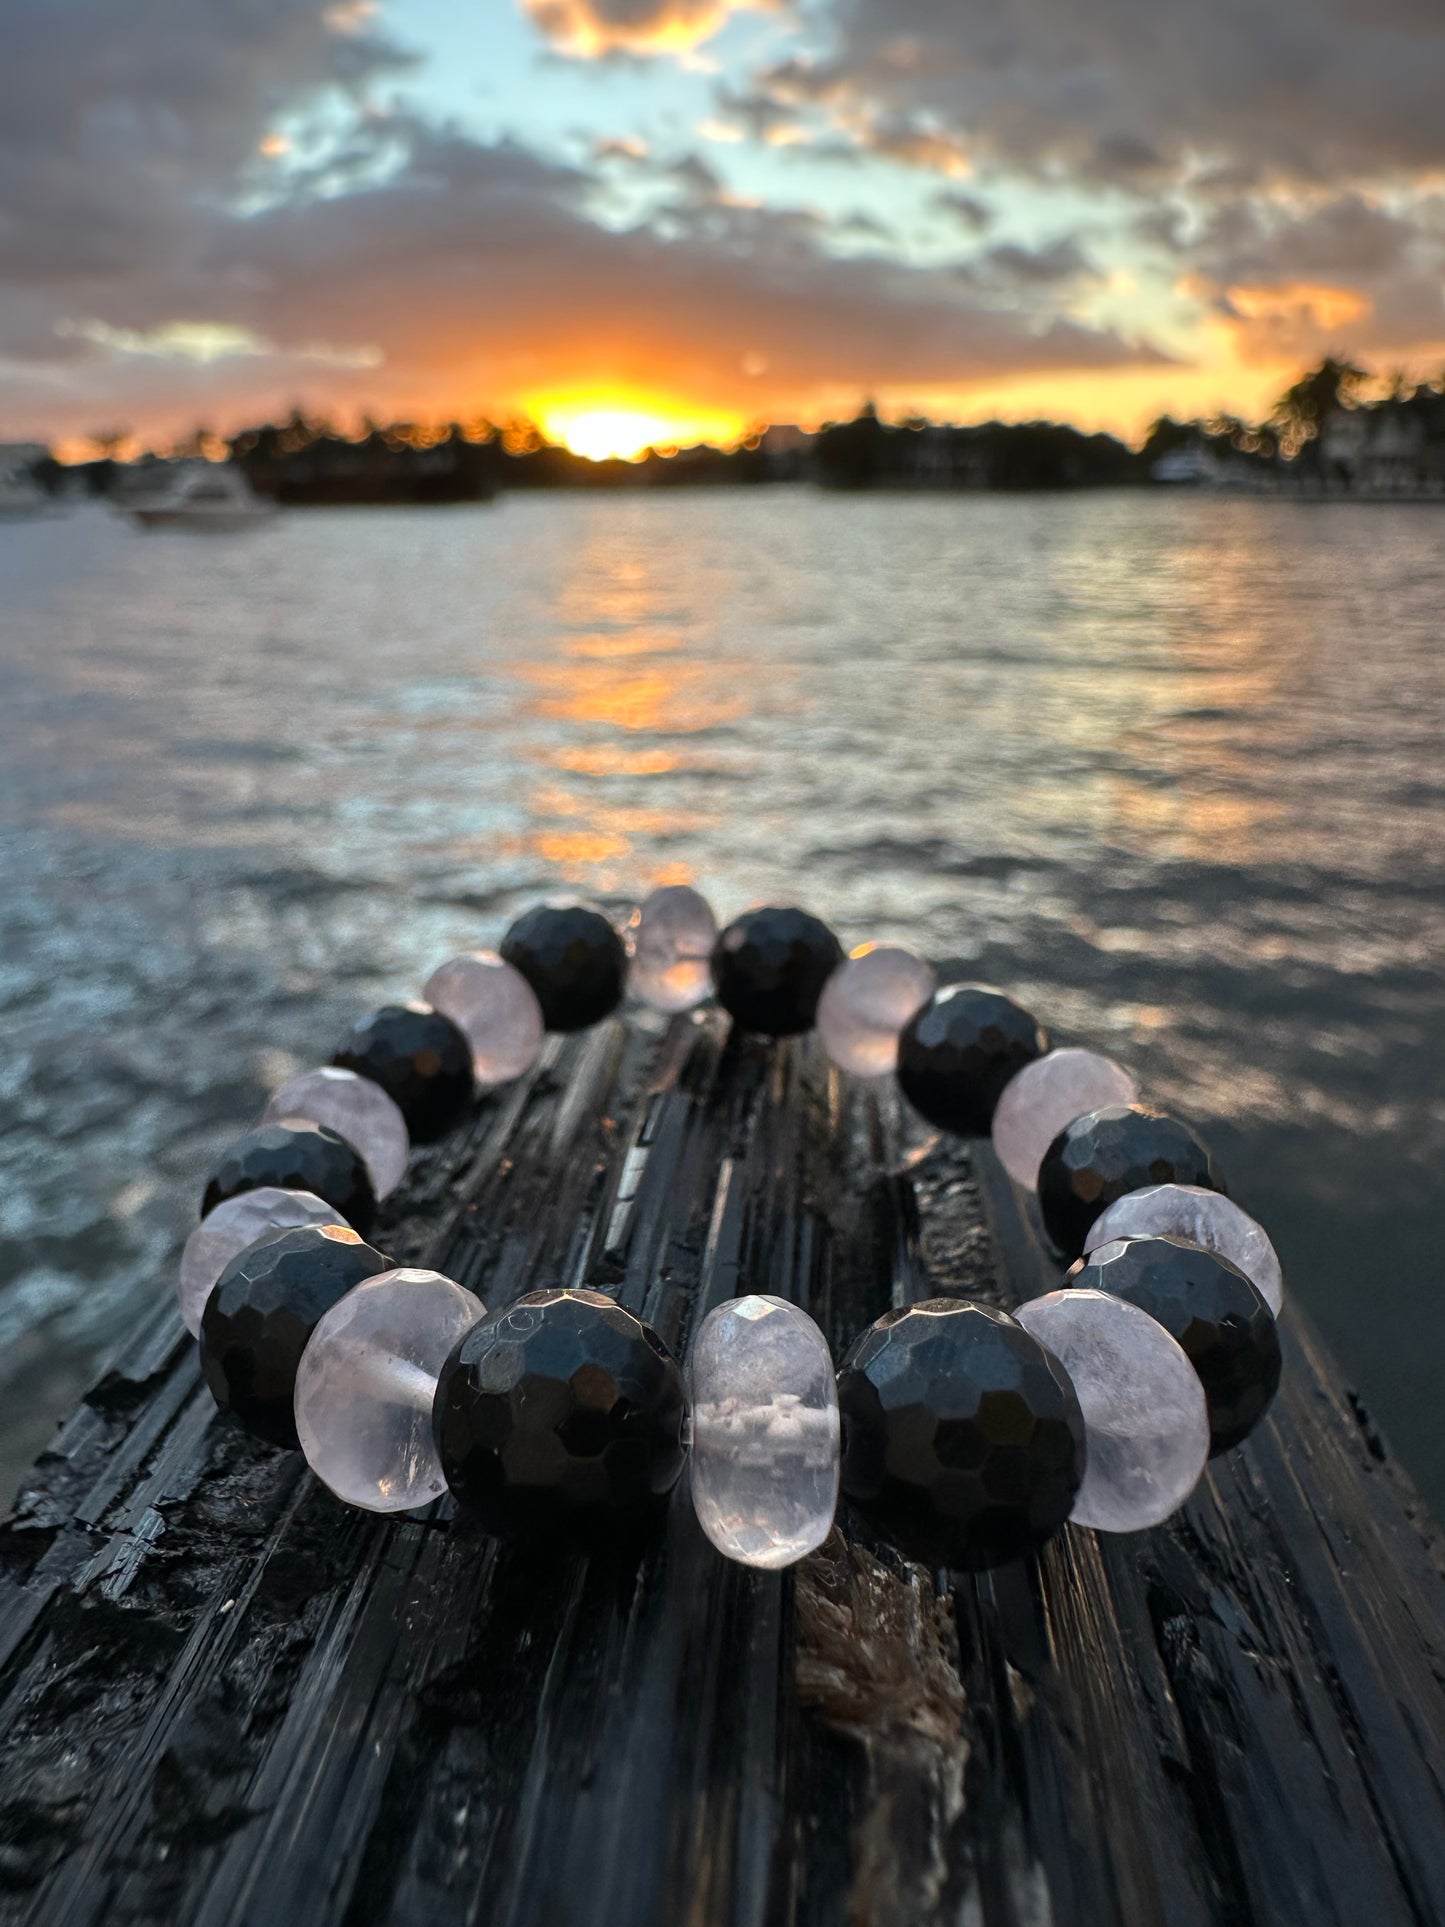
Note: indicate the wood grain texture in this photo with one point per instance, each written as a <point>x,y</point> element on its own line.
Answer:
<point>225,1699</point>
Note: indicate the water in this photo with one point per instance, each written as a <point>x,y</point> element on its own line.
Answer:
<point>1168,768</point>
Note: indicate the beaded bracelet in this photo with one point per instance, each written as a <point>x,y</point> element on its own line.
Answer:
<point>965,1436</point>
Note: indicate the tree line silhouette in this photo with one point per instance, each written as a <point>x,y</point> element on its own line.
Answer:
<point>309,459</point>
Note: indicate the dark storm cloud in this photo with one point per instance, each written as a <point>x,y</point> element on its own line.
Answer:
<point>1129,88</point>
<point>1346,275</point>
<point>1060,261</point>
<point>121,127</point>
<point>975,215</point>
<point>531,282</point>
<point>755,113</point>
<point>394,260</point>
<point>1283,150</point>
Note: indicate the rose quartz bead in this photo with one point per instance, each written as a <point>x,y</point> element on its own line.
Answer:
<point>670,940</point>
<point>356,1109</point>
<point>865,1005</point>
<point>1145,1416</point>
<point>366,1382</point>
<point>1046,1095</point>
<point>1198,1217</point>
<point>765,1432</point>
<point>496,1010</point>
<point>224,1233</point>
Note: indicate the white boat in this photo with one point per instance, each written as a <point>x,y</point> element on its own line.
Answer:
<point>212,497</point>
<point>1190,467</point>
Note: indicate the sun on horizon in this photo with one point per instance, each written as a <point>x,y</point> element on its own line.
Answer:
<point>603,428</point>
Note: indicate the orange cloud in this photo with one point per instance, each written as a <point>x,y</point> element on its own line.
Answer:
<point>1276,323</point>
<point>590,28</point>
<point>1300,302</point>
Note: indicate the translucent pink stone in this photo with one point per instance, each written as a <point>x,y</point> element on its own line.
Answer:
<point>1198,1217</point>
<point>1145,1416</point>
<point>1045,1096</point>
<point>865,1005</point>
<point>765,1432</point>
<point>366,1382</point>
<point>226,1231</point>
<point>355,1109</point>
<point>670,940</point>
<point>496,1010</point>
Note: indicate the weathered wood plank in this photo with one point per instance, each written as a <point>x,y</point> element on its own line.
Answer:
<point>225,1699</point>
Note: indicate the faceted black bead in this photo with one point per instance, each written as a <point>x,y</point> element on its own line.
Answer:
<point>563,1414</point>
<point>1105,1153</point>
<point>1217,1315</point>
<point>573,959</point>
<point>770,966</point>
<point>419,1058</point>
<point>297,1156</point>
<point>264,1307</point>
<point>963,1441</point>
<point>957,1053</point>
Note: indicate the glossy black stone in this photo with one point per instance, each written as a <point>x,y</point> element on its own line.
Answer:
<point>963,1441</point>
<point>1218,1316</point>
<point>561,1415</point>
<point>957,1053</point>
<point>1105,1153</point>
<point>573,959</point>
<point>769,968</point>
<point>298,1156</point>
<point>419,1058</point>
<point>264,1307</point>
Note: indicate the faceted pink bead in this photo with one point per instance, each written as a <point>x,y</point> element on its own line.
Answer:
<point>671,942</point>
<point>356,1109</point>
<point>224,1233</point>
<point>366,1382</point>
<point>1045,1096</point>
<point>496,1010</point>
<point>865,1005</point>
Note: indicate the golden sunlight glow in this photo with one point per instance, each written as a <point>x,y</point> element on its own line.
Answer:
<point>1313,302</point>
<point>589,32</point>
<point>601,429</point>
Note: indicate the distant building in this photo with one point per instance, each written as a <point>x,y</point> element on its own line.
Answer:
<point>1395,449</point>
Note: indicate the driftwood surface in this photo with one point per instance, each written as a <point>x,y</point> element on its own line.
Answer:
<point>225,1699</point>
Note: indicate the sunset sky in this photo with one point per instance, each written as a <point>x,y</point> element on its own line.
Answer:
<point>656,219</point>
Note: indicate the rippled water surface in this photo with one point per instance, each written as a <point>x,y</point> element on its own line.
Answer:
<point>1169,768</point>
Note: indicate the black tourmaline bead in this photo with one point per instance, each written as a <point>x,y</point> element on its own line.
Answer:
<point>1217,1315</point>
<point>264,1307</point>
<point>963,1441</point>
<point>770,967</point>
<point>419,1058</point>
<point>573,959</point>
<point>562,1414</point>
<point>1105,1153</point>
<point>297,1156</point>
<point>957,1053</point>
